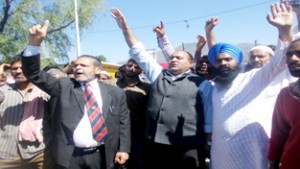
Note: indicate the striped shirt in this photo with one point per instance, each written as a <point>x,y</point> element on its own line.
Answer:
<point>11,111</point>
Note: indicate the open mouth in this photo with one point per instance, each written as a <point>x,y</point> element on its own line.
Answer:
<point>77,74</point>
<point>20,77</point>
<point>203,66</point>
<point>294,65</point>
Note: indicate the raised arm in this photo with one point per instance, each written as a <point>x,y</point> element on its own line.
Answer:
<point>163,41</point>
<point>3,68</point>
<point>159,30</point>
<point>209,26</point>
<point>131,40</point>
<point>281,17</point>
<point>199,46</point>
<point>31,61</point>
<point>37,34</point>
<point>137,50</point>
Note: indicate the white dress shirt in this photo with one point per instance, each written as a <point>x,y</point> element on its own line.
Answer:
<point>83,136</point>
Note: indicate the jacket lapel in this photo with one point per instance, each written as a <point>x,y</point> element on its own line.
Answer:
<point>106,99</point>
<point>79,95</point>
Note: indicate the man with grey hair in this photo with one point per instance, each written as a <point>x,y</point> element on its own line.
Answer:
<point>258,56</point>
<point>92,125</point>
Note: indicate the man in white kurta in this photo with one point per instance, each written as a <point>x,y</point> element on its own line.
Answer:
<point>265,101</point>
<point>239,140</point>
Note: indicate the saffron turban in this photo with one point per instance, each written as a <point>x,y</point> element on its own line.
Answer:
<point>229,49</point>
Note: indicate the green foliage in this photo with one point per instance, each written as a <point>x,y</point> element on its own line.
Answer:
<point>17,16</point>
<point>102,58</point>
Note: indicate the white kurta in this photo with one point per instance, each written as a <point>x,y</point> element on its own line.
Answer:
<point>242,115</point>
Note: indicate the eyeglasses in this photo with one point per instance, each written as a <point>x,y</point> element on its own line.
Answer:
<point>291,53</point>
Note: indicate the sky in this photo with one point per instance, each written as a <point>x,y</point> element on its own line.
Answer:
<point>240,21</point>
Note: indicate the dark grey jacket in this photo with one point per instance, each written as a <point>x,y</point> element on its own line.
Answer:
<point>175,111</point>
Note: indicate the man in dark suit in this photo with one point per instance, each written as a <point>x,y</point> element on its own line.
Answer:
<point>74,144</point>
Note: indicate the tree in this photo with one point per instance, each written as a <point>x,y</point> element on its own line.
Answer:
<point>102,58</point>
<point>18,15</point>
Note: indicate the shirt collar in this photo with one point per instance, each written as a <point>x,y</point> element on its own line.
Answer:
<point>93,84</point>
<point>178,76</point>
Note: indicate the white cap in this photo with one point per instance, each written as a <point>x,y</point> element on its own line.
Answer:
<point>104,73</point>
<point>264,48</point>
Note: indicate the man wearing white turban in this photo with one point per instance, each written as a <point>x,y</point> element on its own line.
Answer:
<point>258,56</point>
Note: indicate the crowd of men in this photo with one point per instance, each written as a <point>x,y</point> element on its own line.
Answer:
<point>213,106</point>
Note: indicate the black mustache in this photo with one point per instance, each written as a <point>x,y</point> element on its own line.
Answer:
<point>294,63</point>
<point>225,68</point>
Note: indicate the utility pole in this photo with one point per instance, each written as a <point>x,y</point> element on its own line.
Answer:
<point>77,29</point>
<point>152,52</point>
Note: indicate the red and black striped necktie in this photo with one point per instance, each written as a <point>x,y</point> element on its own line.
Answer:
<point>95,115</point>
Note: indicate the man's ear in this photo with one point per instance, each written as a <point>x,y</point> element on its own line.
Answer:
<point>98,70</point>
<point>192,63</point>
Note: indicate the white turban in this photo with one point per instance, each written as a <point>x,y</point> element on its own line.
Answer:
<point>263,48</point>
<point>104,73</point>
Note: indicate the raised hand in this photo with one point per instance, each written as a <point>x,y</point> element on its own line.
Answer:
<point>159,30</point>
<point>281,15</point>
<point>37,34</point>
<point>282,18</point>
<point>128,34</point>
<point>118,16</point>
<point>3,68</point>
<point>210,24</point>
<point>201,42</point>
